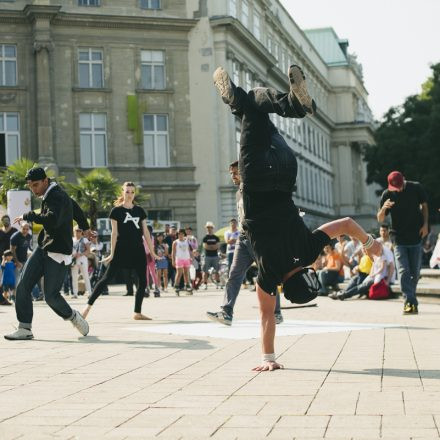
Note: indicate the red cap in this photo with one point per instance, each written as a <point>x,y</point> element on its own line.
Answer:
<point>395,181</point>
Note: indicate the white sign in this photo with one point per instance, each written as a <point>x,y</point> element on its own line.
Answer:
<point>19,202</point>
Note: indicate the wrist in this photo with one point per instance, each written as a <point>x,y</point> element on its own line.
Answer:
<point>268,357</point>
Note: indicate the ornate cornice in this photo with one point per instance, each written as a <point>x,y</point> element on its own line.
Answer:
<point>120,22</point>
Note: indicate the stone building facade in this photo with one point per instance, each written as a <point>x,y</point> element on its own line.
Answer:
<point>128,86</point>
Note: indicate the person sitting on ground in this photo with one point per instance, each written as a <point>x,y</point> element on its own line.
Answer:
<point>361,272</point>
<point>333,271</point>
<point>379,271</point>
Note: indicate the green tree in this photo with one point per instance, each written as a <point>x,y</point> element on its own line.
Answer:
<point>13,177</point>
<point>408,140</point>
<point>94,192</point>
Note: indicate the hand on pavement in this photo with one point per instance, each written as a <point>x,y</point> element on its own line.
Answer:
<point>268,366</point>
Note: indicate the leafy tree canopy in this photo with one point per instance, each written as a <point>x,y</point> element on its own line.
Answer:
<point>408,140</point>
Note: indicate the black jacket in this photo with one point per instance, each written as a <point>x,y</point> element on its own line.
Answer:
<point>57,213</point>
<point>271,169</point>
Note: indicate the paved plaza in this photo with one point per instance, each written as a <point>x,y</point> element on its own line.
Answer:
<point>353,370</point>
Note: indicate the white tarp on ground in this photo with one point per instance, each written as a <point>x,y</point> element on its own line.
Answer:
<point>251,329</point>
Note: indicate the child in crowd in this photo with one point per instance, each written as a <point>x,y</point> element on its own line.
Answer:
<point>181,257</point>
<point>8,267</point>
<point>197,262</point>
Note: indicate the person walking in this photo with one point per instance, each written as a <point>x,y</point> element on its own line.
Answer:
<point>151,267</point>
<point>406,202</point>
<point>52,255</point>
<point>81,252</point>
<point>243,258</point>
<point>129,225</point>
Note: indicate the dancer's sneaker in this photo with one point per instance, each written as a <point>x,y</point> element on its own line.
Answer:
<point>188,290</point>
<point>298,87</point>
<point>80,323</point>
<point>20,334</point>
<point>279,318</point>
<point>221,317</point>
<point>177,291</point>
<point>224,85</point>
<point>156,292</point>
<point>206,286</point>
<point>147,293</point>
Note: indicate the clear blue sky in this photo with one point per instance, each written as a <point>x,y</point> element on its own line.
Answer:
<point>395,41</point>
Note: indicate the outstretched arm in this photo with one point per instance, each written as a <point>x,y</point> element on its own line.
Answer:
<point>349,227</point>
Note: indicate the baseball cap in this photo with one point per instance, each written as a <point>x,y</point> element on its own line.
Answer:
<point>302,287</point>
<point>36,173</point>
<point>395,181</point>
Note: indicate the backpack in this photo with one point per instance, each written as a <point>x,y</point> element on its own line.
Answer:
<point>379,290</point>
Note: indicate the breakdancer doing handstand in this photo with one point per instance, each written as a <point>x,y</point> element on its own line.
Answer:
<point>268,170</point>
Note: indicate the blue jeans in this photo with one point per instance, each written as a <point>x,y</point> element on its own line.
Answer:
<point>409,261</point>
<point>243,259</point>
<point>328,278</point>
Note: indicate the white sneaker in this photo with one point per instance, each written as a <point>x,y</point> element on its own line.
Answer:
<point>80,323</point>
<point>20,334</point>
<point>74,296</point>
<point>279,318</point>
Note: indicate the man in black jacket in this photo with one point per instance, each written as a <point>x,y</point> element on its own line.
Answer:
<point>52,255</point>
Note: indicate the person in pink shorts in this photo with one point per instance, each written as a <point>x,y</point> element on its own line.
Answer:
<point>181,257</point>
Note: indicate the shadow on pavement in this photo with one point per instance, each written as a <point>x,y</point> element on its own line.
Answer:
<point>393,372</point>
<point>189,344</point>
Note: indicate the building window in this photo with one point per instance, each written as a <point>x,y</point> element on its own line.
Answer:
<point>89,2</point>
<point>245,13</point>
<point>237,140</point>
<point>248,81</point>
<point>8,65</point>
<point>153,69</point>
<point>236,73</point>
<point>90,68</point>
<point>156,148</point>
<point>232,5</point>
<point>257,25</point>
<point>93,139</point>
<point>150,4</point>
<point>9,138</point>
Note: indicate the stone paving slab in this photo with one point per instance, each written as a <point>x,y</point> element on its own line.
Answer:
<point>377,378</point>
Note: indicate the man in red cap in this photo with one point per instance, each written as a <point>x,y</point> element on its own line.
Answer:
<point>407,203</point>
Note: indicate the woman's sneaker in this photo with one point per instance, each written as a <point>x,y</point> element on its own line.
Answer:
<point>80,323</point>
<point>224,85</point>
<point>298,87</point>
<point>20,334</point>
<point>279,318</point>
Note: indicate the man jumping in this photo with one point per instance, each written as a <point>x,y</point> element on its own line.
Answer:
<point>268,170</point>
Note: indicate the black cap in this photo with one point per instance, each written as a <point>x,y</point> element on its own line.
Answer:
<point>36,173</point>
<point>302,286</point>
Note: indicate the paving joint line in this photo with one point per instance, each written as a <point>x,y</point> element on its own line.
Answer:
<point>383,360</point>
<point>328,372</point>
<point>229,418</point>
<point>326,427</point>
<point>166,427</point>
<point>357,403</point>
<point>415,358</point>
<point>403,402</point>
<point>273,426</point>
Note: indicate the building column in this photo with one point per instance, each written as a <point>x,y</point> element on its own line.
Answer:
<point>41,16</point>
<point>43,100</point>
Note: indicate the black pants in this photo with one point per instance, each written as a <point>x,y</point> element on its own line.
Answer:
<point>37,266</point>
<point>115,266</point>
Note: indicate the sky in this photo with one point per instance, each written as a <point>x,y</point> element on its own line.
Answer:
<point>395,41</point>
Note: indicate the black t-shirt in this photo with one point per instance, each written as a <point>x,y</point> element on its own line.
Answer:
<point>129,225</point>
<point>406,216</point>
<point>210,239</point>
<point>23,244</point>
<point>5,240</point>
